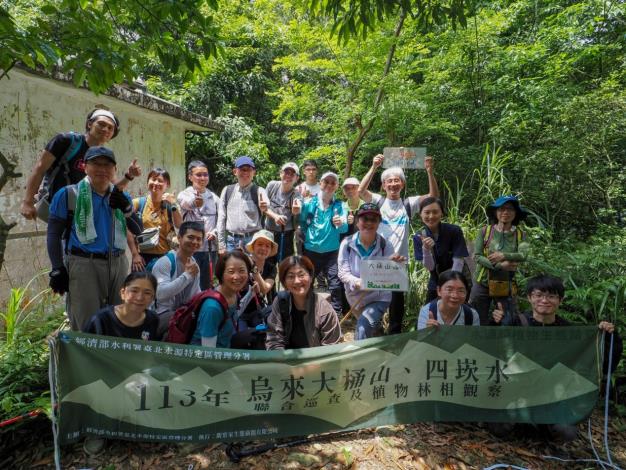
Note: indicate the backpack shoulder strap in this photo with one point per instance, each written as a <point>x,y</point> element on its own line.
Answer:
<point>254,194</point>
<point>71,194</point>
<point>142,206</point>
<point>229,192</point>
<point>172,257</point>
<point>283,305</point>
<point>407,208</point>
<point>487,237</point>
<point>523,319</point>
<point>381,201</point>
<point>468,315</point>
<point>75,145</point>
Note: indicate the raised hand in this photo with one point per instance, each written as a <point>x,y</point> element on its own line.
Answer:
<point>498,313</point>
<point>378,160</point>
<point>432,320</point>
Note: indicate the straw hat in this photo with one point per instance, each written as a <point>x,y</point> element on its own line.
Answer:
<point>267,235</point>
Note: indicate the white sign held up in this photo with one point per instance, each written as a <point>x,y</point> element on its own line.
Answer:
<point>405,157</point>
<point>384,274</point>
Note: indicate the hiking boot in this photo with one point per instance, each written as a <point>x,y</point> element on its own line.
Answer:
<point>94,445</point>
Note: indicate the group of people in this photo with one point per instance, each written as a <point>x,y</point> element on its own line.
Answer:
<point>248,236</point>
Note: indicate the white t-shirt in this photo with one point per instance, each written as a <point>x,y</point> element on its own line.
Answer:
<point>310,190</point>
<point>395,224</point>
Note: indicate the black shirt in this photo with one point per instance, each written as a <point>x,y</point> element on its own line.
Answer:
<point>298,338</point>
<point>106,323</point>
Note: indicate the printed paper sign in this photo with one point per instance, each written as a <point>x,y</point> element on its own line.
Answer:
<point>384,274</point>
<point>404,157</point>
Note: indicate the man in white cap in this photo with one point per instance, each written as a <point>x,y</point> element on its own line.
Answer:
<point>396,215</point>
<point>280,217</point>
<point>322,220</point>
<point>62,162</point>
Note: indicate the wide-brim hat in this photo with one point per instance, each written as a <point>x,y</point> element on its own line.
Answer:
<point>267,235</point>
<point>520,212</point>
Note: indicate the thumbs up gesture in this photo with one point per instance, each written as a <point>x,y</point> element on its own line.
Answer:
<point>350,217</point>
<point>432,320</point>
<point>498,313</point>
<point>263,204</point>
<point>295,207</point>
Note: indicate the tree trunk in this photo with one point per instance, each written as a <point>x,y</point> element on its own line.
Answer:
<point>364,130</point>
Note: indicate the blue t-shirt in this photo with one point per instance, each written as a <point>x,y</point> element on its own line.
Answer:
<point>101,220</point>
<point>449,244</point>
<point>209,320</point>
<point>320,234</point>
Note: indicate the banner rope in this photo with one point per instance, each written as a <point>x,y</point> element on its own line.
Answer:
<point>52,378</point>
<point>604,464</point>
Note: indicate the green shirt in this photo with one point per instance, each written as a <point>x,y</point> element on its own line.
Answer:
<point>512,244</point>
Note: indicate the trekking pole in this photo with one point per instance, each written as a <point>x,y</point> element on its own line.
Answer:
<point>281,246</point>
<point>210,264</point>
<point>110,255</point>
<point>508,314</point>
<point>236,452</point>
<point>347,315</point>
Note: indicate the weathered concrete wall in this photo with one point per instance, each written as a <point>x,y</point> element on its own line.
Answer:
<point>32,110</point>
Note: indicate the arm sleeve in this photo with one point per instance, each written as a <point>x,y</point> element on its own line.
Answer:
<point>522,250</point>
<point>330,331</point>
<point>169,287</point>
<point>56,226</point>
<point>422,318</point>
<point>221,220</point>
<point>428,260</point>
<point>210,318</point>
<point>186,200</point>
<point>457,264</point>
<point>414,203</point>
<point>275,339</point>
<point>479,256</point>
<point>344,267</point>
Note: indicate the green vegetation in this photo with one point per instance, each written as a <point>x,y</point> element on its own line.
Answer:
<point>524,97</point>
<point>24,325</point>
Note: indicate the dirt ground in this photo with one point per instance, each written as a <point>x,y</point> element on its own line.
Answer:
<point>448,446</point>
<point>416,446</point>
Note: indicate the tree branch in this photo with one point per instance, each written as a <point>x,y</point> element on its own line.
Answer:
<point>8,173</point>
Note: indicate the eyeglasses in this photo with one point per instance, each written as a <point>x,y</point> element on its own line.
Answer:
<point>449,291</point>
<point>301,276</point>
<point>545,296</point>
<point>506,209</point>
<point>201,175</point>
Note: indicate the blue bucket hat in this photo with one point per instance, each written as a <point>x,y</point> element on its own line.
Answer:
<point>520,212</point>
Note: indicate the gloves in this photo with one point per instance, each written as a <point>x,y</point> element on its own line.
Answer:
<point>59,280</point>
<point>118,200</point>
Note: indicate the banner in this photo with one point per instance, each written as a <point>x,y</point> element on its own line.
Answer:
<point>150,391</point>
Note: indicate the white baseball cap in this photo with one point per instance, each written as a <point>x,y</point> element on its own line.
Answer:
<point>291,165</point>
<point>329,174</point>
<point>351,180</point>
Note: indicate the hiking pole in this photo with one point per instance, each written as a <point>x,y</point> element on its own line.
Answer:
<point>110,254</point>
<point>210,264</point>
<point>236,452</point>
<point>347,315</point>
<point>508,314</point>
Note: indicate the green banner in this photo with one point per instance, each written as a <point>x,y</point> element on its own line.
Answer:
<point>149,391</point>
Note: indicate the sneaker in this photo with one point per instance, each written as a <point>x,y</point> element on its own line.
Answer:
<point>94,445</point>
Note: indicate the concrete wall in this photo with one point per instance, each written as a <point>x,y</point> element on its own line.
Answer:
<point>32,110</point>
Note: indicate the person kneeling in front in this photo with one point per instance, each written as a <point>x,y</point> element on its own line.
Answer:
<point>300,318</point>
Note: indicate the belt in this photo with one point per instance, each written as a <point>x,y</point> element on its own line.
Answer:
<point>242,235</point>
<point>85,254</point>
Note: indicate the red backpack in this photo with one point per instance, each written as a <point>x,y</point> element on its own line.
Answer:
<point>183,323</point>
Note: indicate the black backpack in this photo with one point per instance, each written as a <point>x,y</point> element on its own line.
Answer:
<point>60,173</point>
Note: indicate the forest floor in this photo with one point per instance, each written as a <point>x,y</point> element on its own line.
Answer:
<point>447,446</point>
<point>415,446</point>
